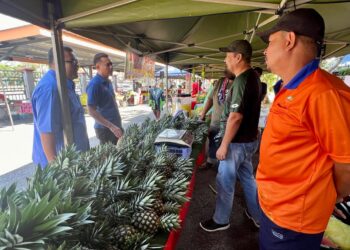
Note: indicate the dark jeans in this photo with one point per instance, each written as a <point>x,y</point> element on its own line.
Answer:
<point>105,136</point>
<point>274,237</point>
<point>213,144</point>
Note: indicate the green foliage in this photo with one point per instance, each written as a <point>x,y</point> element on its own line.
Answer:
<point>270,79</point>
<point>344,71</point>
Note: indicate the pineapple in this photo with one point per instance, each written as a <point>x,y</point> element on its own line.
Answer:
<point>125,235</point>
<point>158,207</point>
<point>169,222</point>
<point>147,221</point>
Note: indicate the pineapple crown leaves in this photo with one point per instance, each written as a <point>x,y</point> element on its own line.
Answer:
<point>180,175</point>
<point>5,193</point>
<point>182,163</point>
<point>176,183</point>
<point>106,169</point>
<point>119,212</point>
<point>82,189</point>
<point>132,130</point>
<point>151,181</point>
<point>39,213</point>
<point>140,241</point>
<point>67,157</point>
<point>170,222</point>
<point>142,201</point>
<point>38,188</point>
<point>172,207</point>
<point>121,189</point>
<point>146,123</point>
<point>175,190</point>
<point>15,241</point>
<point>81,210</point>
<point>37,220</point>
<point>97,235</point>
<point>171,159</point>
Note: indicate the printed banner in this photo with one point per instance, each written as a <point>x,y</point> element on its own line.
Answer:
<point>138,67</point>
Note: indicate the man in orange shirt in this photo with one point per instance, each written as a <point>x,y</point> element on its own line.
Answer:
<point>305,150</point>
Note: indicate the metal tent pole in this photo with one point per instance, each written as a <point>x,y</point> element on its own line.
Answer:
<point>58,53</point>
<point>166,86</point>
<point>7,105</point>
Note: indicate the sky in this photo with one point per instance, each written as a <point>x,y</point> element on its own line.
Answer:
<point>7,22</point>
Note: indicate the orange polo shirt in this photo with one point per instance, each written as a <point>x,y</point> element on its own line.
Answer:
<point>308,129</point>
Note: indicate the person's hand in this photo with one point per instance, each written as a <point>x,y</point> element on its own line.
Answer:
<point>221,152</point>
<point>337,212</point>
<point>339,199</point>
<point>116,131</point>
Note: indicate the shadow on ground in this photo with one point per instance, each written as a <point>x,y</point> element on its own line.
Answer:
<point>242,235</point>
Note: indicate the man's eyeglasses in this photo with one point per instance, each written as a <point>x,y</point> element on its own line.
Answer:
<point>109,64</point>
<point>73,62</point>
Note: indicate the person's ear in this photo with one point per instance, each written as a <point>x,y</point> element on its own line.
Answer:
<point>239,57</point>
<point>291,38</point>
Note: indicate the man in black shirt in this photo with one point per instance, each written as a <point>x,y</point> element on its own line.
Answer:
<point>239,131</point>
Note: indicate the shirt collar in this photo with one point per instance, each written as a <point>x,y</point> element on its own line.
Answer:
<point>302,74</point>
<point>104,80</point>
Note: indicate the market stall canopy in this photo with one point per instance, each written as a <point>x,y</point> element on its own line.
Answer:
<point>31,43</point>
<point>173,73</point>
<point>183,33</point>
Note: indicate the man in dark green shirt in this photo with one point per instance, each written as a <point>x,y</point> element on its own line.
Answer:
<point>239,132</point>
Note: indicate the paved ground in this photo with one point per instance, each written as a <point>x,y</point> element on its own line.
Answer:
<point>16,145</point>
<point>242,235</point>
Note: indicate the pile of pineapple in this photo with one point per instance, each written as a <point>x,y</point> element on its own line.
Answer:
<point>107,198</point>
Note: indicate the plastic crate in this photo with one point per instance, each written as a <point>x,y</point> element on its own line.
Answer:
<point>183,152</point>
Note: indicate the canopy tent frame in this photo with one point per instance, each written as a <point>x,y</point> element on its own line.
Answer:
<point>58,53</point>
<point>343,46</point>
<point>95,11</point>
<point>8,53</point>
<point>193,18</point>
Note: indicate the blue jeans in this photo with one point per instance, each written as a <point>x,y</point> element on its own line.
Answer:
<point>274,237</point>
<point>238,164</point>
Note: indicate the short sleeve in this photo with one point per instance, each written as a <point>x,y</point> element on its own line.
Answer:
<point>329,117</point>
<point>48,111</point>
<point>92,91</point>
<point>238,88</point>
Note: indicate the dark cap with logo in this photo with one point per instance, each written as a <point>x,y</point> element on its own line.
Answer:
<point>239,46</point>
<point>305,22</point>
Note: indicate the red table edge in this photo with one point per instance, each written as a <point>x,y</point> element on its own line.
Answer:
<point>175,235</point>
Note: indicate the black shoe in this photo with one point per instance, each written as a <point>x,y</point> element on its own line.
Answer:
<point>212,226</point>
<point>256,223</point>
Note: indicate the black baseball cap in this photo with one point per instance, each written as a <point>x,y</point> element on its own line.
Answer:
<point>305,22</point>
<point>239,46</point>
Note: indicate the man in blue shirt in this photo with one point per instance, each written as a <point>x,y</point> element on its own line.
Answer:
<point>101,102</point>
<point>48,127</point>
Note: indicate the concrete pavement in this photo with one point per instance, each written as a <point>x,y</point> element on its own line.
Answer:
<point>16,145</point>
